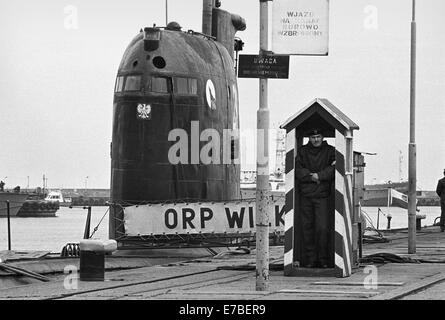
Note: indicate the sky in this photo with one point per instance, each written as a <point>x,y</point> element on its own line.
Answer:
<point>60,58</point>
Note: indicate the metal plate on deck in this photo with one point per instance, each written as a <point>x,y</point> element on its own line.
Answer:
<point>7,255</point>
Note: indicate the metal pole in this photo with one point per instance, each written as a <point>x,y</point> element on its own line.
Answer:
<point>378,220</point>
<point>262,189</point>
<point>412,142</point>
<point>360,234</point>
<point>9,225</point>
<point>166,12</point>
<point>86,234</point>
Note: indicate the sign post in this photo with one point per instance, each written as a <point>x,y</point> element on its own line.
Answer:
<point>300,27</point>
<point>262,188</point>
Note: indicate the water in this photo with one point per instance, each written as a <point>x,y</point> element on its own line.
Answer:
<point>400,216</point>
<point>52,234</point>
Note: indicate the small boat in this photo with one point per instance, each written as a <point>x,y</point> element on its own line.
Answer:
<point>378,195</point>
<point>57,196</point>
<point>38,208</point>
<point>385,197</point>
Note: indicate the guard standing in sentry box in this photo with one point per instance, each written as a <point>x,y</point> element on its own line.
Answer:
<point>315,170</point>
<point>321,223</point>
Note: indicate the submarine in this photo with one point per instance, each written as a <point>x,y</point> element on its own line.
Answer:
<point>170,79</point>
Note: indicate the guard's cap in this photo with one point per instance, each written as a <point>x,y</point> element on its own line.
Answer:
<point>314,131</point>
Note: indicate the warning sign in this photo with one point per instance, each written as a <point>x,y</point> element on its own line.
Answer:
<point>300,27</point>
<point>265,66</point>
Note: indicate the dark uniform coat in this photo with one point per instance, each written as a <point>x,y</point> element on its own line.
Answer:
<point>440,190</point>
<point>319,160</point>
<point>314,204</point>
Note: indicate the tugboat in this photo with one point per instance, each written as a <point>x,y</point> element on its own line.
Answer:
<point>35,207</point>
<point>38,208</point>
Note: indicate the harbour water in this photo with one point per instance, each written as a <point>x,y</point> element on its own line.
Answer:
<point>53,233</point>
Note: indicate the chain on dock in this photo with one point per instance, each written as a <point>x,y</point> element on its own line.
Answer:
<point>70,250</point>
<point>73,249</point>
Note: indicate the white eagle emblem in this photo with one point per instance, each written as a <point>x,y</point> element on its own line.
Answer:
<point>211,95</point>
<point>144,111</point>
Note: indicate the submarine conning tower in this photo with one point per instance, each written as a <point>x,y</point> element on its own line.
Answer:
<point>173,87</point>
<point>220,24</point>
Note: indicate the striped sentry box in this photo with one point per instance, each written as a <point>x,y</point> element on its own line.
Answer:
<point>343,204</point>
<point>289,204</point>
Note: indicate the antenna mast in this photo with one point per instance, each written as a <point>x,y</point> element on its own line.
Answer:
<point>207,8</point>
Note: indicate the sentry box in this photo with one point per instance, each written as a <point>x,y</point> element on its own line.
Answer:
<point>343,219</point>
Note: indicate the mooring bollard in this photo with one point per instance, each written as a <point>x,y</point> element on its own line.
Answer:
<point>92,258</point>
<point>389,217</point>
<point>419,218</point>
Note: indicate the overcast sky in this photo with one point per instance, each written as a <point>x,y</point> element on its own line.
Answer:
<point>58,74</point>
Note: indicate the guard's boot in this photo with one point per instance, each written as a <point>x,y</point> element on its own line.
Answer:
<point>323,264</point>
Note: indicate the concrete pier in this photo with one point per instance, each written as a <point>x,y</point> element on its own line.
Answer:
<point>230,275</point>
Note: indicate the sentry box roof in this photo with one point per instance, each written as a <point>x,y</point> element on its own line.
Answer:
<point>320,113</point>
